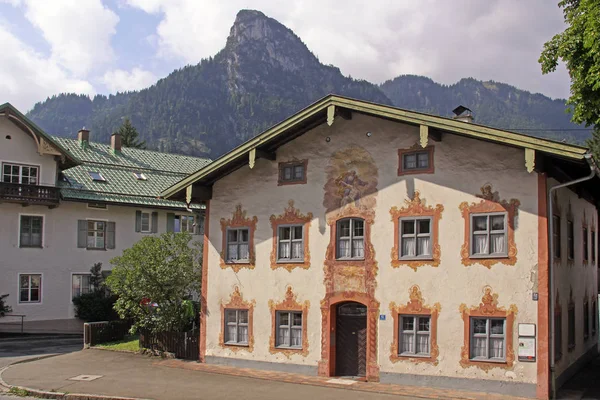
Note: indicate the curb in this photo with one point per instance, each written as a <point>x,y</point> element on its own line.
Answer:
<point>59,395</point>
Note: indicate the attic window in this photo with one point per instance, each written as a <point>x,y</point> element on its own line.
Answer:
<point>140,176</point>
<point>96,176</point>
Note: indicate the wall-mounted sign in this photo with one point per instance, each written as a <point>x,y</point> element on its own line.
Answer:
<point>527,349</point>
<point>382,317</point>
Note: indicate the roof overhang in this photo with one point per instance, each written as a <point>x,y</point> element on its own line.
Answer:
<point>198,185</point>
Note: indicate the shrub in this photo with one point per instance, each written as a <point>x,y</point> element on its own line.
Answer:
<point>95,306</point>
<point>3,307</point>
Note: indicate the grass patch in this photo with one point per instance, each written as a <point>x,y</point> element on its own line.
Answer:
<point>19,392</point>
<point>130,343</point>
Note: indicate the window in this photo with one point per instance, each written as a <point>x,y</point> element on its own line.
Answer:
<point>31,231</point>
<point>139,176</point>
<point>80,285</point>
<point>291,243</point>
<point>289,329</point>
<point>350,239</point>
<point>415,333</point>
<point>415,238</point>
<point>489,235</point>
<point>586,320</point>
<point>570,240</point>
<point>571,327</point>
<point>145,222</point>
<point>24,174</point>
<point>30,288</point>
<point>184,223</point>
<point>236,326</point>
<point>237,245</point>
<point>99,206</point>
<point>488,339</point>
<point>556,235</point>
<point>558,336</point>
<point>96,176</point>
<point>594,317</point>
<point>412,161</point>
<point>96,234</point>
<point>292,172</point>
<point>593,247</point>
<point>585,245</point>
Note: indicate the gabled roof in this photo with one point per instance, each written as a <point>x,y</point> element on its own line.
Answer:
<point>337,106</point>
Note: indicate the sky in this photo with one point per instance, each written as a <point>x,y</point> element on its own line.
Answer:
<point>106,46</point>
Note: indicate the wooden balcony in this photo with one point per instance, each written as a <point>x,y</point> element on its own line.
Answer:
<point>29,194</point>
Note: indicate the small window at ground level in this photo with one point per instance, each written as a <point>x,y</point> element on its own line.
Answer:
<point>292,172</point>
<point>96,176</point>
<point>415,335</point>
<point>289,329</point>
<point>80,285</point>
<point>489,235</point>
<point>30,288</point>
<point>31,231</point>
<point>236,326</point>
<point>488,339</point>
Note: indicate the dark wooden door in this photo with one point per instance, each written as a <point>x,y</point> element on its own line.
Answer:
<point>351,340</point>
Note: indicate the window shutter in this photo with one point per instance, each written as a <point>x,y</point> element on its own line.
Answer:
<point>82,234</point>
<point>199,228</point>
<point>110,235</point>
<point>170,222</point>
<point>138,221</point>
<point>155,222</point>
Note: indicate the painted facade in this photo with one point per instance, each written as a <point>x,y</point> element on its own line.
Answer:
<point>353,171</point>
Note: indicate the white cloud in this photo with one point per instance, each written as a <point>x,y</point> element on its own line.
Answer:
<point>28,77</point>
<point>121,81</point>
<point>495,39</point>
<point>78,32</point>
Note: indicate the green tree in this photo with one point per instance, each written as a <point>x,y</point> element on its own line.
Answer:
<point>154,280</point>
<point>129,135</point>
<point>97,305</point>
<point>579,48</point>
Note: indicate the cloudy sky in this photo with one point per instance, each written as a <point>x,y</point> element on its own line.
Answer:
<point>105,46</point>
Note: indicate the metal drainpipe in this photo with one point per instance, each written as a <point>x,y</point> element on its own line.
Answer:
<point>592,165</point>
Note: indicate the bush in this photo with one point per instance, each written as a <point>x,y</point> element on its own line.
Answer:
<point>95,306</point>
<point>3,307</point>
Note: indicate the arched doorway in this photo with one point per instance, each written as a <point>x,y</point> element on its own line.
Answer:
<point>351,339</point>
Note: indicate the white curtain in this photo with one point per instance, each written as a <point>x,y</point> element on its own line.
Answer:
<point>408,343</point>
<point>408,247</point>
<point>232,253</point>
<point>479,344</point>
<point>284,336</point>
<point>231,333</point>
<point>423,246</point>
<point>242,334</point>
<point>481,244</point>
<point>358,248</point>
<point>243,252</point>
<point>297,250</point>
<point>344,250</point>
<point>423,344</point>
<point>284,250</point>
<point>496,348</point>
<point>296,337</point>
<point>498,245</point>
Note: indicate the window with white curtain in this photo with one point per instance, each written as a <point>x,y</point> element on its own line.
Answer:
<point>488,339</point>
<point>351,238</point>
<point>290,243</point>
<point>489,235</point>
<point>236,326</point>
<point>237,245</point>
<point>415,238</point>
<point>289,329</point>
<point>415,335</point>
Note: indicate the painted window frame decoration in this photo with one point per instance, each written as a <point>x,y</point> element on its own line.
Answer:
<point>237,302</point>
<point>415,307</point>
<point>292,164</point>
<point>558,347</point>
<point>490,203</point>
<point>416,149</point>
<point>289,304</point>
<point>417,208</point>
<point>238,220</point>
<point>291,216</point>
<point>488,308</point>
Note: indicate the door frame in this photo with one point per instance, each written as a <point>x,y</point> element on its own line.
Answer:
<point>363,319</point>
<point>328,334</point>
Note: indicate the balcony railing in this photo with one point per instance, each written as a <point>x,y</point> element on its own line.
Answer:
<point>29,194</point>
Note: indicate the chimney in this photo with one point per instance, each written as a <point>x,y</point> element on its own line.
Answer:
<point>462,113</point>
<point>115,143</point>
<point>83,136</point>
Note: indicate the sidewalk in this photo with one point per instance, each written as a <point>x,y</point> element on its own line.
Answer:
<point>132,375</point>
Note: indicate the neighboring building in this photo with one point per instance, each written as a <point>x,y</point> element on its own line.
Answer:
<point>355,239</point>
<point>66,204</point>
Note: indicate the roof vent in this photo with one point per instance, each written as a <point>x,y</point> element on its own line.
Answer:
<point>462,113</point>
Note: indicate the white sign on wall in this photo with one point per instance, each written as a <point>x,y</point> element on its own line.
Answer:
<point>526,342</point>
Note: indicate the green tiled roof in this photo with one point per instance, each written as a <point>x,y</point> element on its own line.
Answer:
<point>161,170</point>
<point>99,153</point>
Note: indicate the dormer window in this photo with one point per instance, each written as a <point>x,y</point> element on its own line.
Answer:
<point>96,176</point>
<point>140,176</point>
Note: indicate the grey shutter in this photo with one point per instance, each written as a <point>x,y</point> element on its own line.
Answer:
<point>138,221</point>
<point>110,235</point>
<point>82,234</point>
<point>154,222</point>
<point>170,222</point>
<point>199,228</point>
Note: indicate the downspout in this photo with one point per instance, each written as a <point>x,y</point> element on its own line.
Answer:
<point>593,172</point>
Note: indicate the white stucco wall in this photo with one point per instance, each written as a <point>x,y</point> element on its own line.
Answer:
<point>462,167</point>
